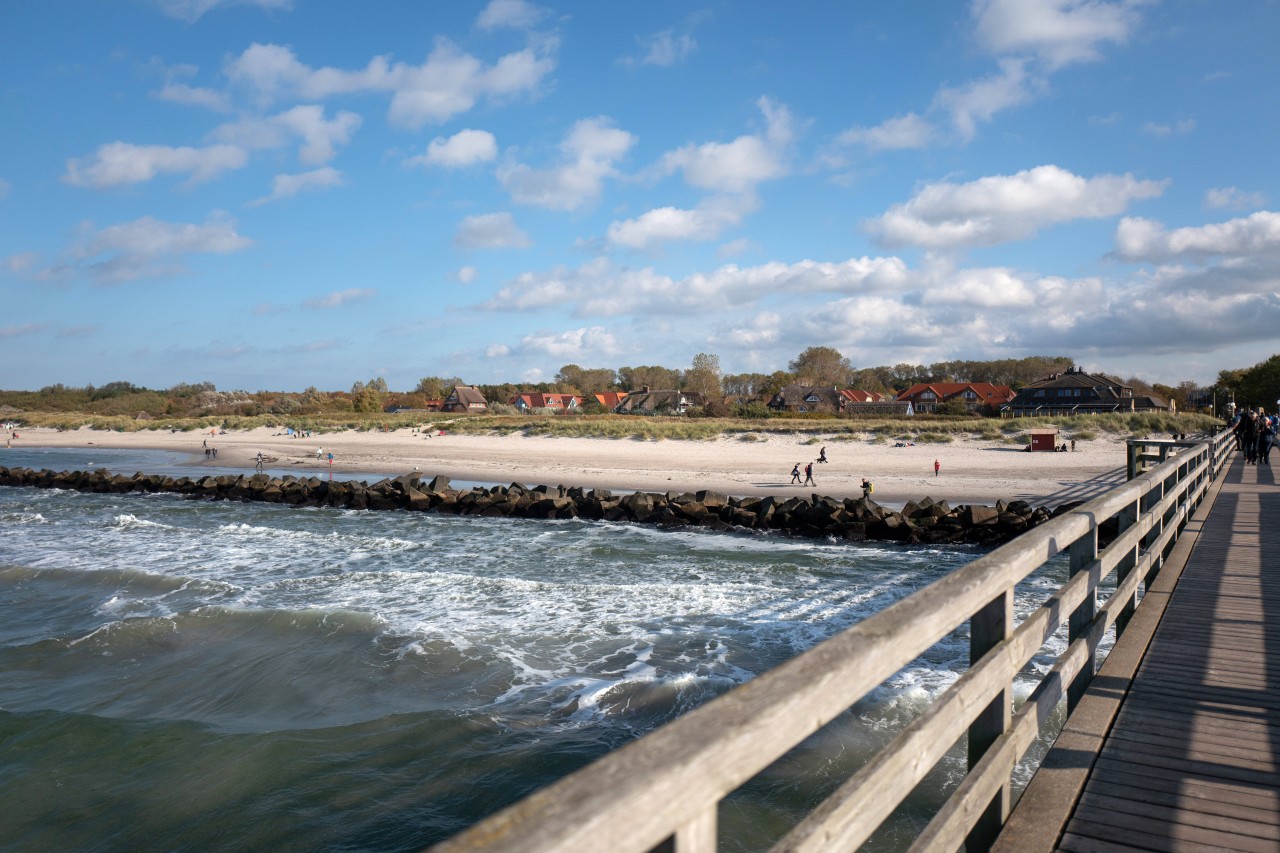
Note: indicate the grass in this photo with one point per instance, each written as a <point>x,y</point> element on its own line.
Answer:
<point>921,429</point>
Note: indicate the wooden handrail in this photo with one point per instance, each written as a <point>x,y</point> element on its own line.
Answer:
<point>663,790</point>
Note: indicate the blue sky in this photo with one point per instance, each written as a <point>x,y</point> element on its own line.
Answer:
<point>274,194</point>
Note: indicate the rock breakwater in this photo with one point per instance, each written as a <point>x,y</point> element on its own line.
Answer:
<point>925,521</point>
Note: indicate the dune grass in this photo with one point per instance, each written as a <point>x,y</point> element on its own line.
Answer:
<point>922,429</point>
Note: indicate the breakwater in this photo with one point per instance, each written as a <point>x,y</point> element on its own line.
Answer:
<point>925,521</point>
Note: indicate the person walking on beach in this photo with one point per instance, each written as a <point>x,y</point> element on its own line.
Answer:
<point>936,467</point>
<point>866,488</point>
<point>795,473</point>
<point>822,455</point>
<point>259,465</point>
<point>808,475</point>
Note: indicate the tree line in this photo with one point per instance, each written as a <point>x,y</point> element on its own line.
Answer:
<point>816,366</point>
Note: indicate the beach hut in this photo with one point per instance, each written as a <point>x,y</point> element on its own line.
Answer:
<point>1044,439</point>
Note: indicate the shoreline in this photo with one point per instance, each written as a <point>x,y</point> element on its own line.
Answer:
<point>972,471</point>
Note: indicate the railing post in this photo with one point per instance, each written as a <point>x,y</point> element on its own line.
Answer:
<point>697,836</point>
<point>1082,553</point>
<point>1149,500</point>
<point>989,627</point>
<point>1125,519</point>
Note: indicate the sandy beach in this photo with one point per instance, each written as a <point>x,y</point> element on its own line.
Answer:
<point>971,471</point>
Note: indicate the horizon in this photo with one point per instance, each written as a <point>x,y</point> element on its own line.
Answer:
<point>288,193</point>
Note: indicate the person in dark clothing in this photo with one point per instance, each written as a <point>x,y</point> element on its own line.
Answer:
<point>795,473</point>
<point>1249,437</point>
<point>1266,438</point>
<point>808,475</point>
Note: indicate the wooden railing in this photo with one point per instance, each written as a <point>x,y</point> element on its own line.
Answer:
<point>662,791</point>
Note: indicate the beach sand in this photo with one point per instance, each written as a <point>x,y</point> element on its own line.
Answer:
<point>971,471</point>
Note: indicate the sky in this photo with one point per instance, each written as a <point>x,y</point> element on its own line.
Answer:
<point>276,194</point>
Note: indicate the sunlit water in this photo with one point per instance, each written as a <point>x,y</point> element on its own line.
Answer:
<point>178,674</point>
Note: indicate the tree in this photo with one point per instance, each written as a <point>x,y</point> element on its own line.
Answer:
<point>1260,385</point>
<point>367,396</point>
<point>436,387</point>
<point>583,380</point>
<point>821,366</point>
<point>655,377</point>
<point>703,376</point>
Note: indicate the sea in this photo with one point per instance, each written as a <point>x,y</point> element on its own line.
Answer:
<point>179,674</point>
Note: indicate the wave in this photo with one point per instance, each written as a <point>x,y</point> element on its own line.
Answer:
<point>21,517</point>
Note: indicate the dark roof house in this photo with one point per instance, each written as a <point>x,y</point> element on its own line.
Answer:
<point>1075,392</point>
<point>465,398</point>
<point>646,402</point>
<point>807,398</point>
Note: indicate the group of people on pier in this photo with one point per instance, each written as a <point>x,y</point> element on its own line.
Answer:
<point>1255,433</point>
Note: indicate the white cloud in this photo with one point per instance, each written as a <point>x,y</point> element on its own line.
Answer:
<point>320,137</point>
<point>979,100</point>
<point>657,226</point>
<point>587,343</point>
<point>338,298</point>
<point>447,83</point>
<point>119,163</point>
<point>737,166</point>
<point>1144,240</point>
<point>181,93</point>
<point>1233,198</point>
<point>665,48</point>
<point>20,262</point>
<point>1002,208</point>
<point>600,289</point>
<point>516,14</point>
<point>466,275</point>
<point>287,186</point>
<point>490,231</point>
<point>1178,128</point>
<point>147,247</point>
<point>497,351</point>
<point>464,148</point>
<point>1058,32</point>
<point>903,132</point>
<point>192,10</point>
<point>588,153</point>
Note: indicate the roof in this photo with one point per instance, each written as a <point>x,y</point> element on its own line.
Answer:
<point>804,396</point>
<point>985,392</point>
<point>610,399</point>
<point>536,400</point>
<point>650,401</point>
<point>468,395</point>
<point>854,395</point>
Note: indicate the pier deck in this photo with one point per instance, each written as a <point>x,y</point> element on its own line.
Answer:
<point>1192,759</point>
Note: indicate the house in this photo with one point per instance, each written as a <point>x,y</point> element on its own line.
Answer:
<point>808,398</point>
<point>609,400</point>
<point>925,397</point>
<point>1078,393</point>
<point>853,395</point>
<point>646,402</point>
<point>554,402</point>
<point>465,398</point>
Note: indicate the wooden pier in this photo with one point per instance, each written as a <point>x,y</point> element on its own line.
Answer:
<point>1176,746</point>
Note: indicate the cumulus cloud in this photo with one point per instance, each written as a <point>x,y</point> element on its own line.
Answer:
<point>584,344</point>
<point>338,298</point>
<point>464,148</point>
<point>664,49</point>
<point>447,83</point>
<point>1002,208</point>
<point>192,10</point>
<point>1233,198</point>
<point>706,222</point>
<point>737,166</point>
<point>1057,32</point>
<point>515,14</point>
<point>320,136</point>
<point>287,186</point>
<point>903,132</point>
<point>148,247</point>
<point>209,99</point>
<point>118,163</point>
<point>490,231</point>
<point>979,100</point>
<point>1140,239</point>
<point>466,275</point>
<point>588,154</point>
<point>600,289</point>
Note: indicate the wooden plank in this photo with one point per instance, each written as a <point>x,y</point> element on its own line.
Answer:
<point>1134,788</point>
<point>1144,810</point>
<point>1153,832</point>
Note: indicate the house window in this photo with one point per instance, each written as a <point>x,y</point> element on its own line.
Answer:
<point>811,399</point>
<point>969,395</point>
<point>927,395</point>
